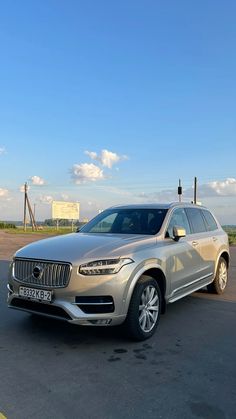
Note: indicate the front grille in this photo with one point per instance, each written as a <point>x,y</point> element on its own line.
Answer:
<point>47,309</point>
<point>49,274</point>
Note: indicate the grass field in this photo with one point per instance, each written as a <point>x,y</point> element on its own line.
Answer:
<point>231,231</point>
<point>51,231</point>
<point>45,230</point>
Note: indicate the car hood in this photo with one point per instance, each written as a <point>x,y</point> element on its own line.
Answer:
<point>77,247</point>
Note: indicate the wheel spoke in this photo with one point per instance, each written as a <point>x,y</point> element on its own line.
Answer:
<point>150,295</point>
<point>154,308</point>
<point>142,315</point>
<point>223,276</point>
<point>153,300</point>
<point>144,321</point>
<point>151,316</point>
<point>148,322</point>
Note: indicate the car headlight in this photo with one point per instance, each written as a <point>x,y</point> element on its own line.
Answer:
<point>104,267</point>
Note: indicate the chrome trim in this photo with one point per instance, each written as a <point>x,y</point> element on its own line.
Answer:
<point>9,288</point>
<point>92,304</point>
<point>190,283</point>
<point>56,274</point>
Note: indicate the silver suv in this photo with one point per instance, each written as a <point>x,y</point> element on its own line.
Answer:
<point>124,266</point>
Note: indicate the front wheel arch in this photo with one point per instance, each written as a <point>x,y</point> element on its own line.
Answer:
<point>159,276</point>
<point>152,271</point>
<point>133,323</point>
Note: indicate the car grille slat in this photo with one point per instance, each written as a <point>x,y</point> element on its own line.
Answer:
<point>60,276</point>
<point>54,274</point>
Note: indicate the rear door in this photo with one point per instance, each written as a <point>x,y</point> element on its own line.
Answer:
<point>203,242</point>
<point>211,246</point>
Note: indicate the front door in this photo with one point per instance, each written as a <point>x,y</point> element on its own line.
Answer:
<point>183,257</point>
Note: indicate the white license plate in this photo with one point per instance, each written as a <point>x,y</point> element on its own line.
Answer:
<point>35,294</point>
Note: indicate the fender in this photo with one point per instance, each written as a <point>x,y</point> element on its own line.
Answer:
<point>140,270</point>
<point>223,250</point>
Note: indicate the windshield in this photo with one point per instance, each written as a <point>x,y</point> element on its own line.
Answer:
<point>127,221</point>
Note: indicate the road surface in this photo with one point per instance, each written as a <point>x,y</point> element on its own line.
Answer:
<point>51,369</point>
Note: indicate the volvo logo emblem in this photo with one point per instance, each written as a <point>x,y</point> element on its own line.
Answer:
<point>37,272</point>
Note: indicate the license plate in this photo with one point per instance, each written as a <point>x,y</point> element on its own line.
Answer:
<point>35,294</point>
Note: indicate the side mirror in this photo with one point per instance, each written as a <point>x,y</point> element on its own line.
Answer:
<point>178,232</point>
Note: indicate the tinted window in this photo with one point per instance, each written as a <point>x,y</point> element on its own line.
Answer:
<point>210,221</point>
<point>104,225</point>
<point>127,221</point>
<point>178,219</point>
<point>196,220</point>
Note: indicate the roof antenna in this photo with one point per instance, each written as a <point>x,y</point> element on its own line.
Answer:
<point>195,191</point>
<point>180,190</point>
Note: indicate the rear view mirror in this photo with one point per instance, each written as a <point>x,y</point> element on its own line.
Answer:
<point>178,232</point>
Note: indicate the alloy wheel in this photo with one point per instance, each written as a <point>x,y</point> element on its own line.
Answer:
<point>148,308</point>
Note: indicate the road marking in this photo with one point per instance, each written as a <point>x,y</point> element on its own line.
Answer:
<point>2,416</point>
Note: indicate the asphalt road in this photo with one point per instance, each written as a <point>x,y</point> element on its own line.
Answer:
<point>51,369</point>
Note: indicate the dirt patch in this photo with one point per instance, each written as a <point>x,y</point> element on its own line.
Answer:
<point>10,243</point>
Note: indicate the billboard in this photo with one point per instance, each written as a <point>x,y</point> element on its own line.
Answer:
<point>65,210</point>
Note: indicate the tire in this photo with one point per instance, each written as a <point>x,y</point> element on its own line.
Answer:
<point>141,323</point>
<point>221,279</point>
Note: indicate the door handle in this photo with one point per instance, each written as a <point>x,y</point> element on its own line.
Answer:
<point>194,243</point>
<point>215,239</point>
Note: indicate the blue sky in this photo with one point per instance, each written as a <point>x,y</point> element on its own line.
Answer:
<point>150,82</point>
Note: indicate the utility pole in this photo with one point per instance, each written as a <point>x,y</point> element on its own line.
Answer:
<point>195,191</point>
<point>25,199</point>
<point>27,204</point>
<point>180,191</point>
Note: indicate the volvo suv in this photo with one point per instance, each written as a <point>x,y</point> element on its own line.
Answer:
<point>123,266</point>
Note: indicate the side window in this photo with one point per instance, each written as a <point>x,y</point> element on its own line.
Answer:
<point>154,220</point>
<point>178,219</point>
<point>210,221</point>
<point>196,220</point>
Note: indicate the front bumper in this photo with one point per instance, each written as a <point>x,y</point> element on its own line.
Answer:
<point>66,305</point>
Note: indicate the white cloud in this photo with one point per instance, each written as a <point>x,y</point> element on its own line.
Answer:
<point>166,195</point>
<point>37,180</point>
<point>2,150</point>
<point>92,154</point>
<point>115,191</point>
<point>85,172</point>
<point>4,193</point>
<point>226,187</point>
<point>65,197</point>
<point>46,199</point>
<point>22,188</point>
<point>106,158</point>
